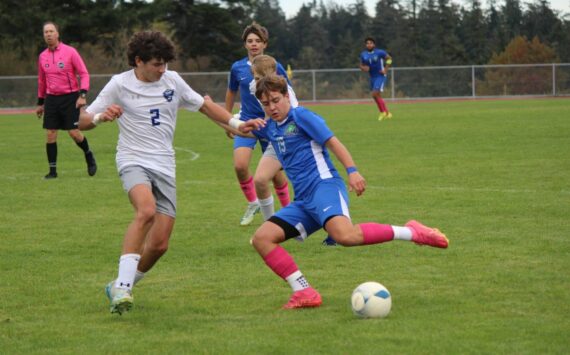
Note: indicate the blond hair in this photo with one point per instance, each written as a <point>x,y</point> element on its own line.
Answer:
<point>263,65</point>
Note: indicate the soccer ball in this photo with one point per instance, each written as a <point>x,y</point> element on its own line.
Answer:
<point>371,300</point>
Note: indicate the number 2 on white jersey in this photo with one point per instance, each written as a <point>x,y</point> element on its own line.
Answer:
<point>155,117</point>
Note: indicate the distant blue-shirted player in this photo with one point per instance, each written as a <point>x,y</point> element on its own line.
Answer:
<point>255,38</point>
<point>302,142</point>
<point>376,62</point>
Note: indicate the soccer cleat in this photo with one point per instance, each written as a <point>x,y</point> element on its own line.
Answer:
<point>423,235</point>
<point>122,301</point>
<point>250,212</point>
<point>91,164</point>
<point>50,176</point>
<point>306,298</point>
<point>382,116</point>
<point>388,116</point>
<point>110,290</point>
<point>329,242</point>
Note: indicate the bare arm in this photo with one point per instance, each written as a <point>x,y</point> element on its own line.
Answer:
<point>230,98</point>
<point>356,182</point>
<point>222,118</point>
<point>364,67</point>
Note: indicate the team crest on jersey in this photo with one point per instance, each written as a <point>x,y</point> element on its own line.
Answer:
<point>291,129</point>
<point>168,94</point>
<point>60,65</point>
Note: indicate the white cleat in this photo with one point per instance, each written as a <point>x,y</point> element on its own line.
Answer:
<point>250,212</point>
<point>122,301</point>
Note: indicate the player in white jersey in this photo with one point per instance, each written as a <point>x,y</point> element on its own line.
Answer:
<point>145,101</point>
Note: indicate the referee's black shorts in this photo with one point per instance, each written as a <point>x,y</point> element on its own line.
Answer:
<point>60,111</point>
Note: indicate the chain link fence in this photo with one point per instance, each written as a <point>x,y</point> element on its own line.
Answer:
<point>330,85</point>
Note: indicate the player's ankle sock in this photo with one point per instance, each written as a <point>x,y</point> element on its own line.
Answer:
<point>280,262</point>
<point>248,189</point>
<point>402,233</point>
<point>374,233</point>
<point>127,270</point>
<point>283,194</point>
<point>84,145</point>
<point>267,207</point>
<point>51,150</point>
<point>139,275</point>
<point>297,281</point>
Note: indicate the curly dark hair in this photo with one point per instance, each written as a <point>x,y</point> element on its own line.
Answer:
<point>256,29</point>
<point>148,45</point>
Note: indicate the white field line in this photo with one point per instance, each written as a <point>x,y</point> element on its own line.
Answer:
<point>193,154</point>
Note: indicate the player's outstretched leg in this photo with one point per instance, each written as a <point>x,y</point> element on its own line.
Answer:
<point>424,235</point>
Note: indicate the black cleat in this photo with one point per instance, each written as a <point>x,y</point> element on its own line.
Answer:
<point>91,165</point>
<point>50,176</point>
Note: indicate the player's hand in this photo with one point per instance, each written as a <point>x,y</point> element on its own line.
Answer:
<point>40,111</point>
<point>81,101</point>
<point>383,71</point>
<point>112,113</point>
<point>230,134</point>
<point>356,183</point>
<point>251,125</point>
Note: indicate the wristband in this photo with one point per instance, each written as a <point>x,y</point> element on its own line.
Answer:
<point>235,123</point>
<point>97,119</point>
<point>351,169</point>
<point>389,61</point>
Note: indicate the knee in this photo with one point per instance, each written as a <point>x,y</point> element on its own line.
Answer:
<point>145,215</point>
<point>261,182</point>
<point>160,247</point>
<point>261,241</point>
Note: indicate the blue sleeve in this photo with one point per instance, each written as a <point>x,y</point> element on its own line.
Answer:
<point>382,53</point>
<point>233,83</point>
<point>362,60</point>
<point>314,125</point>
<point>281,71</point>
<point>261,133</point>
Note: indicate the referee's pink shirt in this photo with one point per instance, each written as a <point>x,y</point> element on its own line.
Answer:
<point>58,70</point>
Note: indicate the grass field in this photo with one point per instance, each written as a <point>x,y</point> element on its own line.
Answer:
<point>493,175</point>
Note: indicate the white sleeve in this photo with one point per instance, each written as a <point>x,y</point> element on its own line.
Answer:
<point>189,99</point>
<point>108,96</point>
<point>292,96</point>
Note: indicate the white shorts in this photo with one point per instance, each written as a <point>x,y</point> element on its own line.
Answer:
<point>163,186</point>
<point>270,152</point>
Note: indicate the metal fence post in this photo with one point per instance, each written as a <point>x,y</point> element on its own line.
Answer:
<point>473,81</point>
<point>553,79</point>
<point>392,83</point>
<point>314,85</point>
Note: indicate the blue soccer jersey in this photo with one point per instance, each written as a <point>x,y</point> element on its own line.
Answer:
<point>299,142</point>
<point>240,79</point>
<point>375,60</point>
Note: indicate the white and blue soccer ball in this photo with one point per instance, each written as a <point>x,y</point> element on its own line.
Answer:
<point>371,300</point>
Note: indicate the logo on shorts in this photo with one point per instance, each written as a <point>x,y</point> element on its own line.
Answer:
<point>60,65</point>
<point>291,129</point>
<point>168,94</point>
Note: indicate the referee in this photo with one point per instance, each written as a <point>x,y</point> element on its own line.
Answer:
<point>60,96</point>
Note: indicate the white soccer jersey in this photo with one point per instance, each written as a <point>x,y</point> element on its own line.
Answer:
<point>146,128</point>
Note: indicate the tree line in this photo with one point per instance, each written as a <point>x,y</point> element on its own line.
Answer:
<point>321,35</point>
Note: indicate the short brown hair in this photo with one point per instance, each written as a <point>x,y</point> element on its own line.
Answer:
<point>51,23</point>
<point>271,83</point>
<point>148,45</point>
<point>264,65</point>
<point>256,29</point>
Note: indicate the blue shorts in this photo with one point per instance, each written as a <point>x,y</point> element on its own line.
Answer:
<point>329,199</point>
<point>246,142</point>
<point>377,83</point>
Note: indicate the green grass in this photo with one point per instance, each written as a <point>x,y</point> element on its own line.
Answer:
<point>493,175</point>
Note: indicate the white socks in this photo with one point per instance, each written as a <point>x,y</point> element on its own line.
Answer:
<point>267,207</point>
<point>127,269</point>
<point>402,233</point>
<point>297,281</point>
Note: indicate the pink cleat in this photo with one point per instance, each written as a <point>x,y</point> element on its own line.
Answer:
<point>423,235</point>
<point>306,298</point>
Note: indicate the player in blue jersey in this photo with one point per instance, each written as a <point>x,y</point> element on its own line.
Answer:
<point>376,62</point>
<point>302,142</point>
<point>255,38</point>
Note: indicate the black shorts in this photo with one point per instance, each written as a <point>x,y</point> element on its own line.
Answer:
<point>60,112</point>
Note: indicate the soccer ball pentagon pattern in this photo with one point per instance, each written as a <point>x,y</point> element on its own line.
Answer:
<point>371,300</point>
